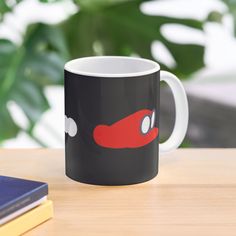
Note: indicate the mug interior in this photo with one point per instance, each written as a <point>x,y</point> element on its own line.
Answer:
<point>112,66</point>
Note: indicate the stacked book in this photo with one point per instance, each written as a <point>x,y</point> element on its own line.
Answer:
<point>23,205</point>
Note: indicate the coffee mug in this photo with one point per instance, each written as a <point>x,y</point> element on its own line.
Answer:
<point>112,111</point>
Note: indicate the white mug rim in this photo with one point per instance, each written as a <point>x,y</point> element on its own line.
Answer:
<point>70,67</point>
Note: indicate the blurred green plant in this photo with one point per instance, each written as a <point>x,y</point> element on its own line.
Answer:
<point>6,7</point>
<point>25,71</point>
<point>102,27</point>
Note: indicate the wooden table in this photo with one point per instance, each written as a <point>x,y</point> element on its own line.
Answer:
<point>194,194</point>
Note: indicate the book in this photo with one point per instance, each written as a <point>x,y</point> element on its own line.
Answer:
<point>29,220</point>
<point>16,194</point>
<point>22,211</point>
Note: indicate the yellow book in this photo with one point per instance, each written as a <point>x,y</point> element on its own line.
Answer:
<point>28,220</point>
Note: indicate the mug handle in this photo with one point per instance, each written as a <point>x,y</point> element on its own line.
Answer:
<point>181,110</point>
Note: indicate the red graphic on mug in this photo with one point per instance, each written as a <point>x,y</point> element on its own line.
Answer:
<point>135,130</point>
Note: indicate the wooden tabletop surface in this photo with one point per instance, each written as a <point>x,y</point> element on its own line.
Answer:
<point>194,194</point>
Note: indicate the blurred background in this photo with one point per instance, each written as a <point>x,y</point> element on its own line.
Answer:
<point>195,39</point>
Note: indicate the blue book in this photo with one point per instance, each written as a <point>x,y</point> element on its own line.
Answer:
<point>16,194</point>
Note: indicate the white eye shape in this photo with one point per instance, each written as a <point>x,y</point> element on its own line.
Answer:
<point>72,127</point>
<point>145,124</point>
<point>66,124</point>
<point>153,119</point>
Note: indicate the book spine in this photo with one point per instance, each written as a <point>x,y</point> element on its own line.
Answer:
<point>25,200</point>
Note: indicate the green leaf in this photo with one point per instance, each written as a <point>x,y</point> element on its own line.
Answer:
<point>91,5</point>
<point>8,128</point>
<point>31,99</point>
<point>6,6</point>
<point>120,28</point>
<point>26,70</point>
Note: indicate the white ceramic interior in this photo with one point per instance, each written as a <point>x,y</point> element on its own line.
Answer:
<point>112,66</point>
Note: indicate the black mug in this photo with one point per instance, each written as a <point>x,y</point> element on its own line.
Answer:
<point>112,119</point>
